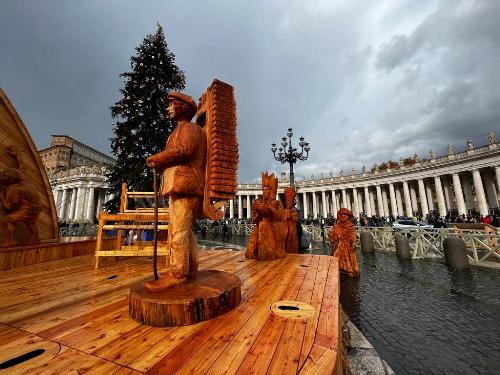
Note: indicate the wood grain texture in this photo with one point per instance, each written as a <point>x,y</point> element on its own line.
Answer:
<point>13,132</point>
<point>20,256</point>
<point>66,304</point>
<point>204,296</point>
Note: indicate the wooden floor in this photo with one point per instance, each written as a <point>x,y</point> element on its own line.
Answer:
<point>81,319</point>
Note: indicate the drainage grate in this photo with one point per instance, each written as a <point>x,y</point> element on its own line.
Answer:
<point>21,358</point>
<point>292,309</point>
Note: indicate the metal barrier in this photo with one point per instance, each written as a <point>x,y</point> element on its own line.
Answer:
<point>424,243</point>
<point>81,230</point>
<point>428,243</point>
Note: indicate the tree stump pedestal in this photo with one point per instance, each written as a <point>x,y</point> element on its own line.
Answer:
<point>204,296</point>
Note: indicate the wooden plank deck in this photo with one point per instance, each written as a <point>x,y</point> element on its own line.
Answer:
<point>80,317</point>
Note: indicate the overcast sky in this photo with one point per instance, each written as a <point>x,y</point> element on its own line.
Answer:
<point>362,81</point>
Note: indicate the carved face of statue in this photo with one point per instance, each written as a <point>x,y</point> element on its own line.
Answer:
<point>175,109</point>
<point>343,218</point>
<point>267,193</point>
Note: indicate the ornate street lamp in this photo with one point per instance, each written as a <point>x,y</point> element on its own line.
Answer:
<point>290,155</point>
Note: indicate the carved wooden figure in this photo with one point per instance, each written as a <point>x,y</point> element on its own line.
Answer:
<point>199,167</point>
<point>342,238</point>
<point>19,200</point>
<point>291,217</point>
<point>268,238</point>
<point>183,180</point>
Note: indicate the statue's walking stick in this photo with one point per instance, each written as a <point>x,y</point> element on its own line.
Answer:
<point>155,228</point>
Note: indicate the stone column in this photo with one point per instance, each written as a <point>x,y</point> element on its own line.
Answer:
<point>408,207</point>
<point>372,202</point>
<point>481,198</point>
<point>344,198</point>
<point>90,205</point>
<point>349,201</point>
<point>78,208</point>
<point>240,207</point>
<point>334,203</point>
<point>490,190</point>
<point>440,196</point>
<point>62,209</point>
<point>392,196</point>
<point>325,204</point>
<point>413,197</point>
<point>361,204</point>
<point>338,205</point>
<point>74,194</point>
<point>399,202</point>
<point>469,195</point>
<point>447,194</point>
<point>355,202</point>
<point>58,200</point>
<point>430,199</point>
<point>99,201</point>
<point>423,197</point>
<point>459,197</point>
<point>249,206</point>
<point>315,205</point>
<point>368,207</point>
<point>306,208</point>
<point>231,209</point>
<point>385,202</point>
<point>380,203</point>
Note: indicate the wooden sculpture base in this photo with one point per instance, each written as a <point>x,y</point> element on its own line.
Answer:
<point>204,296</point>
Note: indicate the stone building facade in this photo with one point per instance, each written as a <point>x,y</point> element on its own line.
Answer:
<point>466,182</point>
<point>77,175</point>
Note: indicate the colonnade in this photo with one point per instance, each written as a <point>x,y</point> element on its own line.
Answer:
<point>459,192</point>
<point>79,202</point>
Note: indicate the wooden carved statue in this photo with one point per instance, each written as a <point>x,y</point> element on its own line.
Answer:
<point>199,167</point>
<point>342,238</point>
<point>267,241</point>
<point>20,202</point>
<point>182,163</point>
<point>291,218</point>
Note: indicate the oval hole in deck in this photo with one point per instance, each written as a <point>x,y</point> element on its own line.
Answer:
<point>303,265</point>
<point>285,307</point>
<point>21,358</point>
<point>112,277</point>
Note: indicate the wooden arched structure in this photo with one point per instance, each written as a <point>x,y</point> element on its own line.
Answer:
<point>27,162</point>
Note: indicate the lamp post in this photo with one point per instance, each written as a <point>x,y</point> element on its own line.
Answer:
<point>290,155</point>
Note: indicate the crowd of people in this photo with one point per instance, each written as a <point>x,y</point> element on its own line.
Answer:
<point>382,221</point>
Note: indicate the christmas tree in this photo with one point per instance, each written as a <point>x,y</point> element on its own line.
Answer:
<point>142,125</point>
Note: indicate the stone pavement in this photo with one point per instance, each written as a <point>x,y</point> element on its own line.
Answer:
<point>422,318</point>
<point>363,358</point>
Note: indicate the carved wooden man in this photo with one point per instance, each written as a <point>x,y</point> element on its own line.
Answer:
<point>183,180</point>
<point>342,238</point>
<point>267,240</point>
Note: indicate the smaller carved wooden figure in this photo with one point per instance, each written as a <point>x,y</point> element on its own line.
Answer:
<point>20,203</point>
<point>342,238</point>
<point>291,217</point>
<point>267,241</point>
